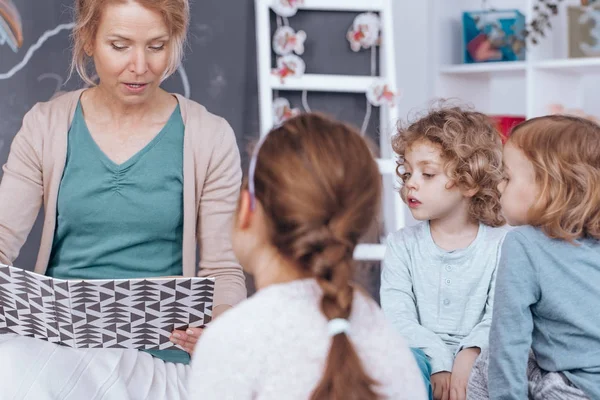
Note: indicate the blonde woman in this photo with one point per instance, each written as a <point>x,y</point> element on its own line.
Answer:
<point>132,179</point>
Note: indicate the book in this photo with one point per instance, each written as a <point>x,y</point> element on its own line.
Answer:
<point>113,313</point>
<point>493,35</point>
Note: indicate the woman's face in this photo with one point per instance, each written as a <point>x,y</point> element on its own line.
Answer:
<point>131,51</point>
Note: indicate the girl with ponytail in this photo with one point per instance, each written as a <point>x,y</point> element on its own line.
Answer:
<point>313,190</point>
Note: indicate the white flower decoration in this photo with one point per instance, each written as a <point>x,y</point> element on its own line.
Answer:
<point>282,111</point>
<point>364,32</point>
<point>286,8</point>
<point>287,41</point>
<point>289,66</point>
<point>380,94</point>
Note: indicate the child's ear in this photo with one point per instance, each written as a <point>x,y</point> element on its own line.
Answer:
<point>450,185</point>
<point>244,212</point>
<point>470,192</point>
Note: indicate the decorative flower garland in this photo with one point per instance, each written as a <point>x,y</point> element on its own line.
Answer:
<point>364,34</point>
<point>543,11</point>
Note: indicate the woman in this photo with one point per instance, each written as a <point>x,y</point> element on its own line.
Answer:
<point>130,177</point>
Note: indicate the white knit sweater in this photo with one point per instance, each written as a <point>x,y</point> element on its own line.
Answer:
<point>275,344</point>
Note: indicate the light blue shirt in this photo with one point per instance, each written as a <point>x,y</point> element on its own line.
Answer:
<point>548,299</point>
<point>121,221</point>
<point>440,301</point>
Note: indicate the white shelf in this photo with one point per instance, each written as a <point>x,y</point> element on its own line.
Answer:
<point>525,88</point>
<point>346,5</point>
<point>487,68</point>
<point>575,66</point>
<point>568,65</point>
<point>386,166</point>
<point>369,252</point>
<point>393,209</point>
<point>324,83</point>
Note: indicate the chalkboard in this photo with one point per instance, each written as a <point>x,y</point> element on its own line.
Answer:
<point>219,69</point>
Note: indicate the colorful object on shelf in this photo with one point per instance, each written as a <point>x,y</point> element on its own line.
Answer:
<point>364,32</point>
<point>505,124</point>
<point>286,8</point>
<point>282,111</point>
<point>11,30</point>
<point>588,2</point>
<point>584,31</point>
<point>289,66</point>
<point>287,41</point>
<point>577,112</point>
<point>380,94</point>
<point>493,36</point>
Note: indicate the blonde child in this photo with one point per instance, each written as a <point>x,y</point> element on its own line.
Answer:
<point>313,189</point>
<point>547,291</point>
<point>438,276</point>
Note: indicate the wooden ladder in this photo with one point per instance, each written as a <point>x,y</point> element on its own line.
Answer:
<point>393,207</point>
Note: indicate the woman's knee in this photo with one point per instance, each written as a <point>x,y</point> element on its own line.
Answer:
<point>10,348</point>
<point>19,352</point>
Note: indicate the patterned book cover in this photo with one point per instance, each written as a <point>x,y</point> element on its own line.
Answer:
<point>118,313</point>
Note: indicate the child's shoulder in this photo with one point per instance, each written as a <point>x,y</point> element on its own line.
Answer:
<point>408,234</point>
<point>269,309</point>
<point>496,234</point>
<point>243,320</point>
<point>526,234</point>
<point>419,231</point>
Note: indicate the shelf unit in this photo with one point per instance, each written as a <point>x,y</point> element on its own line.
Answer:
<point>394,210</point>
<point>525,88</point>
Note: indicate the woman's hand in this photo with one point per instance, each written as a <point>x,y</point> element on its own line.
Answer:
<point>187,339</point>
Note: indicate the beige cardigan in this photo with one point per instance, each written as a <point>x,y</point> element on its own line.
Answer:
<point>211,183</point>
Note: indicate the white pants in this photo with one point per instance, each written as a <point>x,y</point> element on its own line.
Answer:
<point>33,369</point>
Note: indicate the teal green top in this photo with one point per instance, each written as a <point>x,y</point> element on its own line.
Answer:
<point>121,221</point>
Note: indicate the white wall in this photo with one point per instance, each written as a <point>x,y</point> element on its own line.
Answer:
<point>413,59</point>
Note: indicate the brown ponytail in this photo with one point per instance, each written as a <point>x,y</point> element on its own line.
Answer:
<point>320,188</point>
<point>343,365</point>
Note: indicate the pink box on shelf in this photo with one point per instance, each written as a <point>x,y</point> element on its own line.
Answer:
<point>506,123</point>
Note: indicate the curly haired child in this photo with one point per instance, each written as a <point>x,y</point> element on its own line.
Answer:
<point>437,280</point>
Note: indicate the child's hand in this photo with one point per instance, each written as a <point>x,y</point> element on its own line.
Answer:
<point>186,339</point>
<point>460,372</point>
<point>440,384</point>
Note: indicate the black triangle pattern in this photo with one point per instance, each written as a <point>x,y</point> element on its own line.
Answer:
<point>136,313</point>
